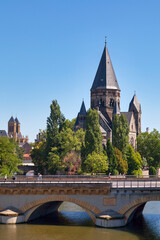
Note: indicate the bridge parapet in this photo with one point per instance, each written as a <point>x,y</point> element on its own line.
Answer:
<point>45,188</point>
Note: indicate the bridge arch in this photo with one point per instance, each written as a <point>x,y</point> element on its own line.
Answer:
<point>136,206</point>
<point>34,205</point>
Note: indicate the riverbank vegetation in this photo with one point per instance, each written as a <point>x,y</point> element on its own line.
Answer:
<point>62,150</point>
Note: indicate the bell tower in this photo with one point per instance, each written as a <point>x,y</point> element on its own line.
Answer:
<point>105,91</point>
<point>12,128</point>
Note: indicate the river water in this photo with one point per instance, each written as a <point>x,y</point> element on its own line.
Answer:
<point>72,223</point>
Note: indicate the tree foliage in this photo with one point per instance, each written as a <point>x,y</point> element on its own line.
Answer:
<point>120,138</point>
<point>55,123</point>
<point>38,153</point>
<point>152,171</point>
<point>134,161</point>
<point>96,163</point>
<point>111,158</point>
<point>56,143</point>
<point>148,145</point>
<point>10,156</point>
<point>93,136</point>
<point>122,163</point>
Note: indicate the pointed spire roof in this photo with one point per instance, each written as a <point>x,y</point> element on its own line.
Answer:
<point>105,76</point>
<point>116,109</point>
<point>83,109</point>
<point>16,120</point>
<point>81,112</point>
<point>11,120</point>
<point>134,104</point>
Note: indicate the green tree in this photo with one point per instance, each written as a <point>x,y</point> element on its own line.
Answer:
<point>148,145</point>
<point>54,163</point>
<point>96,163</point>
<point>69,124</point>
<point>111,158</point>
<point>134,161</point>
<point>55,123</point>
<point>71,141</point>
<point>152,171</point>
<point>122,163</point>
<point>93,136</point>
<point>38,154</point>
<point>120,133</point>
<point>10,156</point>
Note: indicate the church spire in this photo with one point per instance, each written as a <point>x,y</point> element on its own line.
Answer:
<point>83,109</point>
<point>81,118</point>
<point>105,76</point>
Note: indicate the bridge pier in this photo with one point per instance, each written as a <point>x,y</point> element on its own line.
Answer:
<point>110,219</point>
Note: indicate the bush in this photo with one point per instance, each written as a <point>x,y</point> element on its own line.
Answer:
<point>152,171</point>
<point>115,172</point>
<point>137,172</point>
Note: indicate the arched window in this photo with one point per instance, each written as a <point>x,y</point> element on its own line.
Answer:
<point>111,102</point>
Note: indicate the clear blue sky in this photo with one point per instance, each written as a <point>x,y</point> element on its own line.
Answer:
<point>50,49</point>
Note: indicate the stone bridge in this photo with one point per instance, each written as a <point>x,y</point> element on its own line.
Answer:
<point>110,203</point>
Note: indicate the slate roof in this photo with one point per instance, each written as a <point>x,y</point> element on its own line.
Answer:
<point>105,76</point>
<point>77,121</point>
<point>82,112</point>
<point>83,109</point>
<point>11,120</point>
<point>3,133</point>
<point>107,123</point>
<point>16,120</point>
<point>128,116</point>
<point>116,109</point>
<point>135,103</point>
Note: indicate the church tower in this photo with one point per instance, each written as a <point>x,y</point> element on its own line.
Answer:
<point>12,128</point>
<point>105,91</point>
<point>135,107</point>
<point>18,125</point>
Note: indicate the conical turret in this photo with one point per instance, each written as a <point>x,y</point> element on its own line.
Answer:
<point>105,76</point>
<point>81,118</point>
<point>105,91</point>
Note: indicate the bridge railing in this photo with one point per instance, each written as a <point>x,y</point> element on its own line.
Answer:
<point>120,181</point>
<point>139,183</point>
<point>87,176</point>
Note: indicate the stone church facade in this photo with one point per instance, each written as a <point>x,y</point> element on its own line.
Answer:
<point>105,98</point>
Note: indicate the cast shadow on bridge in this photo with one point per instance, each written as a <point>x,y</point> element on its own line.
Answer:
<point>46,206</point>
<point>135,208</point>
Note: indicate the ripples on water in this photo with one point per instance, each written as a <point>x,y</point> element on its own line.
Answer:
<point>76,224</point>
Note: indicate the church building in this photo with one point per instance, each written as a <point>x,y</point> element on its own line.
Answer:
<point>14,130</point>
<point>105,98</point>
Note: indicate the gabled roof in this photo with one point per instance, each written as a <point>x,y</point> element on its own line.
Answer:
<point>11,120</point>
<point>16,120</point>
<point>3,133</point>
<point>105,76</point>
<point>128,116</point>
<point>104,120</point>
<point>134,104</point>
<point>116,109</point>
<point>83,109</point>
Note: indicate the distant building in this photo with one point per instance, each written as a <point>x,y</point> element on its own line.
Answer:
<point>105,98</point>
<point>14,130</point>
<point>3,133</point>
<point>27,152</point>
